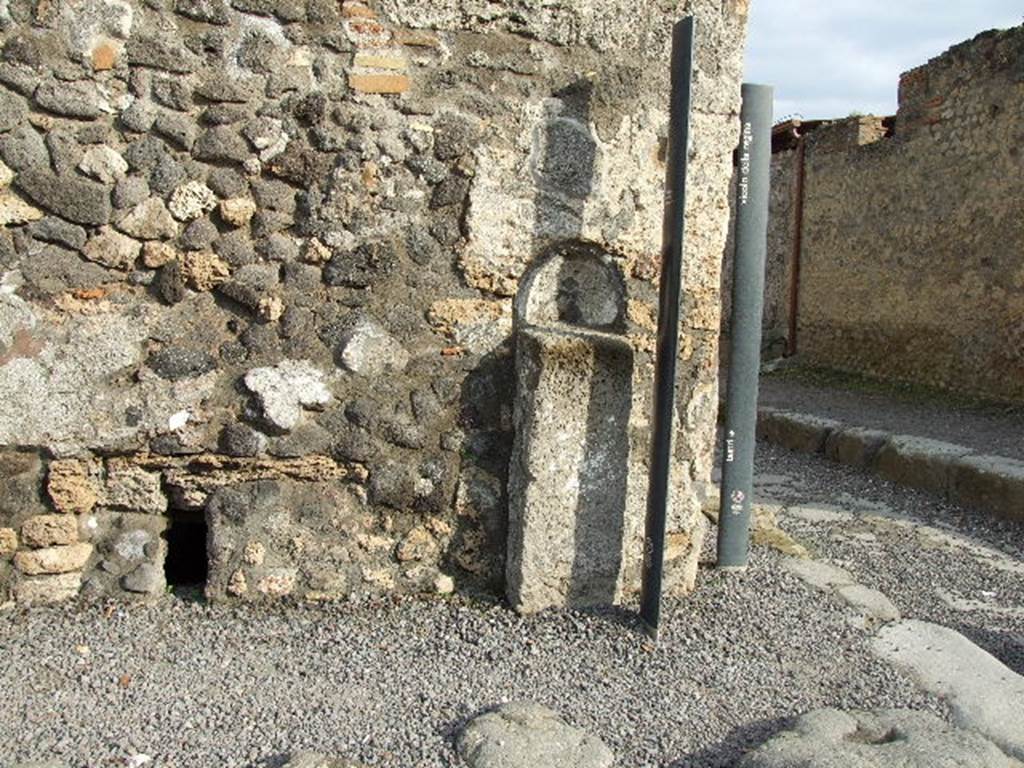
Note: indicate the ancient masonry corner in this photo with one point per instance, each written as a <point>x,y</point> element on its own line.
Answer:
<point>256,269</point>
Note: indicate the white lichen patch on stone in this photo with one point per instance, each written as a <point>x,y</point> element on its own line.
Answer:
<point>285,389</point>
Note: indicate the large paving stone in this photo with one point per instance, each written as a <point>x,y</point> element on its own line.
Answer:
<point>982,692</point>
<point>525,735</point>
<point>830,738</point>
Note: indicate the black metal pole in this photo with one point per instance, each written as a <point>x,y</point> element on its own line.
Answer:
<point>668,325</point>
<point>745,328</point>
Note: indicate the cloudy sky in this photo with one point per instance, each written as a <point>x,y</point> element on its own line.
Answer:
<point>831,58</point>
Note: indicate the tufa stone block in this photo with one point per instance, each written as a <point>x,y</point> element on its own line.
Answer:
<point>50,560</point>
<point>71,486</point>
<point>8,541</point>
<point>49,530</point>
<point>48,589</point>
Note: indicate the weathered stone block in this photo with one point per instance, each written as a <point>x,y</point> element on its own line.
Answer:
<point>50,560</point>
<point>577,477</point>
<point>20,484</point>
<point>48,589</point>
<point>8,541</point>
<point>795,431</point>
<point>855,446</point>
<point>131,488</point>
<point>71,486</point>
<point>919,462</point>
<point>991,482</point>
<point>49,530</point>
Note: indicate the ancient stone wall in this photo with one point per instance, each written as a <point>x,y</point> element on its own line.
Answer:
<point>256,273</point>
<point>912,264</point>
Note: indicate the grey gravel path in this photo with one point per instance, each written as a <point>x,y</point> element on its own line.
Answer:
<point>390,683</point>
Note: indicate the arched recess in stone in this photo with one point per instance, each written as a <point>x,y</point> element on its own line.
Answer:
<point>572,283</point>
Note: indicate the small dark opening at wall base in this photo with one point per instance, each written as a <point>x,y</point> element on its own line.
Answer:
<point>186,563</point>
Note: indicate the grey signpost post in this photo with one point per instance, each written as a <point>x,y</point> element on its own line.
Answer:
<point>745,327</point>
<point>668,325</point>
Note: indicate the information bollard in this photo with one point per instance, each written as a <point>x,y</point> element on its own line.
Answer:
<point>751,241</point>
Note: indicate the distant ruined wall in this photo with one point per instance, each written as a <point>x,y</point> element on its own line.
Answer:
<point>256,268</point>
<point>912,267</point>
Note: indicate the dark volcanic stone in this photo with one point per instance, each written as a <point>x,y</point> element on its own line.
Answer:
<point>177,363</point>
<point>20,483</point>
<point>166,175</point>
<point>227,182</point>
<point>421,247</point>
<point>199,235</point>
<point>393,485</point>
<point>160,53</point>
<point>235,248</point>
<point>65,151</point>
<point>23,148</point>
<point>301,166</point>
<point>239,440</point>
<point>12,110</point>
<point>57,270</point>
<point>451,191</point>
<point>178,128</point>
<point>172,92</point>
<point>130,191</point>
<point>144,154</point>
<point>169,283</point>
<point>221,143</point>
<point>79,99</point>
<point>225,114</point>
<point>366,265</point>
<point>221,87</point>
<point>453,137</point>
<point>68,196</point>
<point>55,230</point>
<point>257,52</point>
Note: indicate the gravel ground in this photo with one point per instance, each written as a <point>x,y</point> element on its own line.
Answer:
<point>390,683</point>
<point>985,427</point>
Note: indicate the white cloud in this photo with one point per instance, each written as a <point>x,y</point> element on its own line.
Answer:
<point>831,59</point>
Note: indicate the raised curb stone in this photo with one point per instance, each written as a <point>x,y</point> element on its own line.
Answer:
<point>919,462</point>
<point>796,431</point>
<point>831,738</point>
<point>525,735</point>
<point>993,482</point>
<point>983,693</point>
